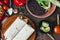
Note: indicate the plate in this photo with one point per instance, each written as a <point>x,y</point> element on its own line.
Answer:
<point>11,19</point>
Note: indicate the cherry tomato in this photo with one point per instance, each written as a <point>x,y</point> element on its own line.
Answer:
<point>1,2</point>
<point>6,1</point>
<point>57,29</point>
<point>19,2</point>
<point>5,7</point>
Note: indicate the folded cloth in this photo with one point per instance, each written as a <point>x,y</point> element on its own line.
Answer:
<point>15,27</point>
<point>25,33</point>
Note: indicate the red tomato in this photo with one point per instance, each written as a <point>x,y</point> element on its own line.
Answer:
<point>5,7</point>
<point>6,1</point>
<point>57,29</point>
<point>1,2</point>
<point>19,2</point>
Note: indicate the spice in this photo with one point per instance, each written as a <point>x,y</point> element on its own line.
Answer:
<point>15,11</point>
<point>1,11</point>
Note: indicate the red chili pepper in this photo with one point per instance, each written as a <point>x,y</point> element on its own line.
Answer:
<point>19,2</point>
<point>6,1</point>
<point>5,7</point>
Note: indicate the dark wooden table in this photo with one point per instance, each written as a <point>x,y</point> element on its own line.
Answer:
<point>51,19</point>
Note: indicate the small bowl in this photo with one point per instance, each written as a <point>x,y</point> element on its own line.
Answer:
<point>48,13</point>
<point>40,24</point>
<point>50,25</point>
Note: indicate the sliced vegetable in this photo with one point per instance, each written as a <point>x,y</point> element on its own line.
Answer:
<point>45,29</point>
<point>45,24</point>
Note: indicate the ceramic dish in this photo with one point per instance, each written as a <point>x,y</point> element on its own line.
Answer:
<point>46,14</point>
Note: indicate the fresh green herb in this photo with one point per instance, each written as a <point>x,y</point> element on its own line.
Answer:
<point>56,2</point>
<point>46,4</point>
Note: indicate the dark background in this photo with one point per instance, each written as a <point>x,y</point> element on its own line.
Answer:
<point>51,19</point>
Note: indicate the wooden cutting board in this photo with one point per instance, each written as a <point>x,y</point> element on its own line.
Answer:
<point>11,19</point>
